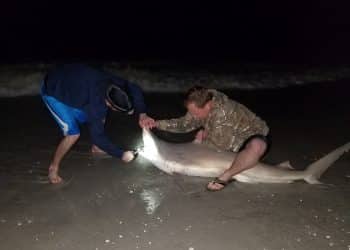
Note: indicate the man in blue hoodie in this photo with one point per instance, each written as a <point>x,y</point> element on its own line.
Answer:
<point>76,94</point>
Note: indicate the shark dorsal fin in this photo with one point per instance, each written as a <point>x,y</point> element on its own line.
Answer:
<point>285,165</point>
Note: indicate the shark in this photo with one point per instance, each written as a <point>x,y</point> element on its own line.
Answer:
<point>195,159</point>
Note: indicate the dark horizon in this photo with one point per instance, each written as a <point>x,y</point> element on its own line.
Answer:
<point>257,32</point>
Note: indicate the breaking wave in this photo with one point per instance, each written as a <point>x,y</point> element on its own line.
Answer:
<point>24,79</point>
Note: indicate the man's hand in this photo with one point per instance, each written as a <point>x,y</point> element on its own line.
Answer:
<point>146,122</point>
<point>128,156</point>
<point>200,136</point>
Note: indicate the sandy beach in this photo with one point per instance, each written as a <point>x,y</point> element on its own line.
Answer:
<point>105,204</point>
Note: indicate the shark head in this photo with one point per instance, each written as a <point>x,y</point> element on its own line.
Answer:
<point>150,147</point>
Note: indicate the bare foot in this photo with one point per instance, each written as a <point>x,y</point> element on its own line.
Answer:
<point>213,186</point>
<point>97,151</point>
<point>53,176</point>
<point>218,184</point>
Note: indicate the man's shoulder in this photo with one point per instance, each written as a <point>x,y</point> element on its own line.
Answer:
<point>218,94</point>
<point>221,98</point>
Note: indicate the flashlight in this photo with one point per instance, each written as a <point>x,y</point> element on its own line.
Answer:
<point>137,151</point>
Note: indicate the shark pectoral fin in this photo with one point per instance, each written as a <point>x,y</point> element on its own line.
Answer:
<point>312,180</point>
<point>285,165</point>
<point>167,171</point>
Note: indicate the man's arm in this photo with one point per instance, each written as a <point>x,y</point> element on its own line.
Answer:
<point>182,124</point>
<point>140,107</point>
<point>137,97</point>
<point>100,139</point>
<point>96,112</point>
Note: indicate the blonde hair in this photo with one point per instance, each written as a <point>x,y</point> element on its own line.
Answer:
<point>198,95</point>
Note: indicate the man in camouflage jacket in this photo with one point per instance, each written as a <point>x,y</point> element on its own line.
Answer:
<point>227,126</point>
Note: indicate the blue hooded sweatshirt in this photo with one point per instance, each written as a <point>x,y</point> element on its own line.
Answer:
<point>82,87</point>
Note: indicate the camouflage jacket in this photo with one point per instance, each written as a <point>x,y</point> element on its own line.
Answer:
<point>228,124</point>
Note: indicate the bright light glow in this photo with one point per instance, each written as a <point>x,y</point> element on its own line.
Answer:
<point>150,149</point>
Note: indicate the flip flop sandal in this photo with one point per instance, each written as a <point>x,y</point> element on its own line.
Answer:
<point>221,182</point>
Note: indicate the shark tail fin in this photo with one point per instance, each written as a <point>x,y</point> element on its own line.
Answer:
<point>314,171</point>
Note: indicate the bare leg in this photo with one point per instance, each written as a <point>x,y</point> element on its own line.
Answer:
<point>245,159</point>
<point>66,143</point>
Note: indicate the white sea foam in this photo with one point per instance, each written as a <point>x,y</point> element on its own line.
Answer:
<point>24,79</point>
<point>19,80</point>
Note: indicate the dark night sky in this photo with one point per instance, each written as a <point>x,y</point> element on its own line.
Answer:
<point>253,32</point>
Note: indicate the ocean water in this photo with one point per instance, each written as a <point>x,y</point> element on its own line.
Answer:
<point>24,79</point>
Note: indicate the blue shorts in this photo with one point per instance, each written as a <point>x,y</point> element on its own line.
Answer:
<point>68,118</point>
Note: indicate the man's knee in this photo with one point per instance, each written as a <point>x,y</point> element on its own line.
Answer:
<point>257,146</point>
<point>72,138</point>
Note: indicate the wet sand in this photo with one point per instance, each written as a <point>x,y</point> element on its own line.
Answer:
<point>105,204</point>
